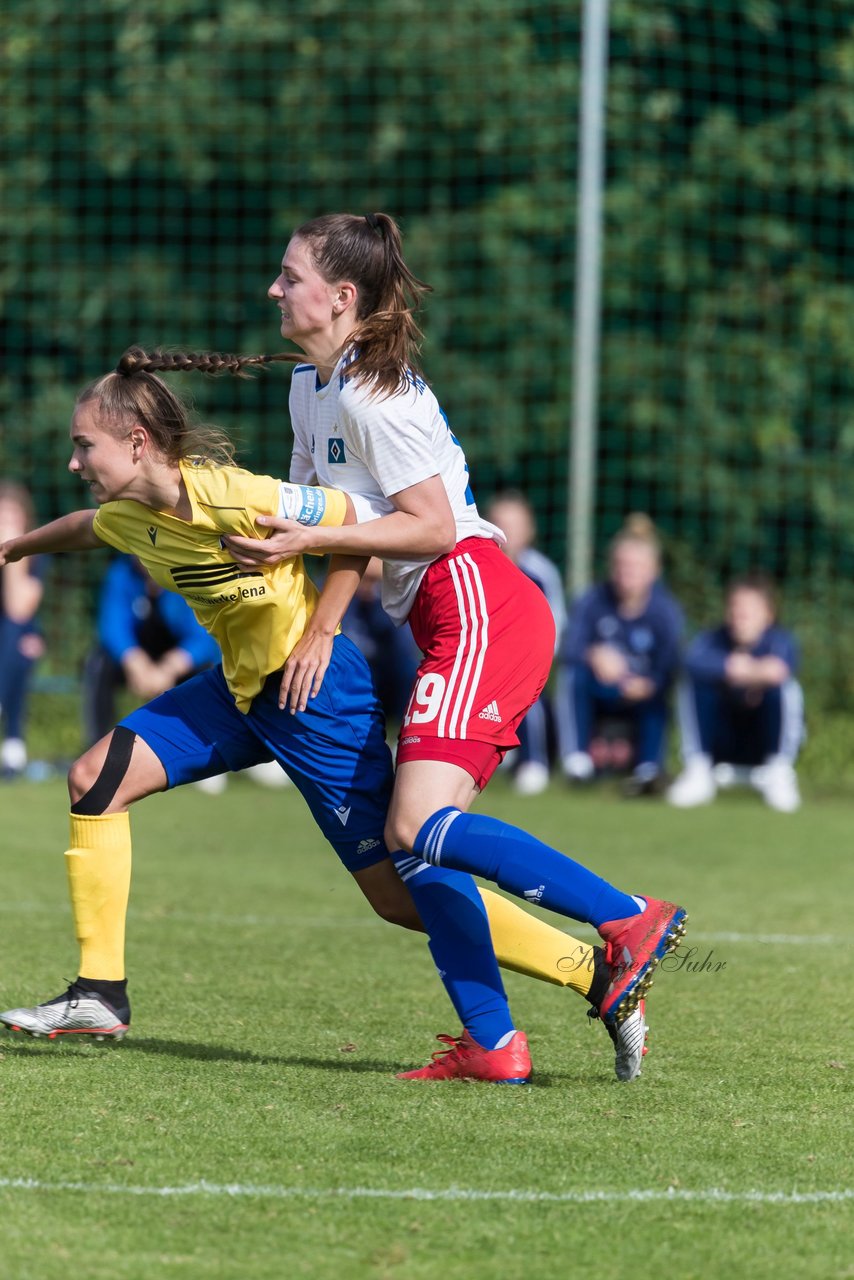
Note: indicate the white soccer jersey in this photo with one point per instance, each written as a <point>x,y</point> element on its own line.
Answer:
<point>372,447</point>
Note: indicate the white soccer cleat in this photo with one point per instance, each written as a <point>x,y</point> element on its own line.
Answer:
<point>531,778</point>
<point>629,1040</point>
<point>75,1012</point>
<point>630,1043</point>
<point>694,786</point>
<point>778,784</point>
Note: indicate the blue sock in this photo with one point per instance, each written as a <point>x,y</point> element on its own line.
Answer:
<point>521,864</point>
<point>454,917</point>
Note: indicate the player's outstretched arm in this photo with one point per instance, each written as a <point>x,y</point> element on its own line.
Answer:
<point>73,532</point>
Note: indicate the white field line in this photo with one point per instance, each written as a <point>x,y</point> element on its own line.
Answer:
<point>671,1195</point>
<point>775,939</point>
<point>367,921</point>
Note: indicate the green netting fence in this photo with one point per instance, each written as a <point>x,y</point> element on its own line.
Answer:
<point>154,159</point>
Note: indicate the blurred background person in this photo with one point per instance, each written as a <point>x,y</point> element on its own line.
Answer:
<point>511,511</point>
<point>148,641</point>
<point>391,651</point>
<point>21,644</point>
<point>740,708</point>
<point>619,660</point>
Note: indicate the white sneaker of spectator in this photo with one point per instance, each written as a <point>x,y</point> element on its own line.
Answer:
<point>212,786</point>
<point>531,778</point>
<point>778,784</point>
<point>13,756</point>
<point>695,784</point>
<point>728,775</point>
<point>268,774</point>
<point>578,766</point>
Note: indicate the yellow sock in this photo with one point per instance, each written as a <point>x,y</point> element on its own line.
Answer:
<point>98,865</point>
<point>527,944</point>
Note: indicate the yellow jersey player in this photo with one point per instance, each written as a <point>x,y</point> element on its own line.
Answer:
<point>169,493</point>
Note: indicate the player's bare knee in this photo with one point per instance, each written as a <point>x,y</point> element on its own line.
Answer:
<point>400,833</point>
<point>82,776</point>
<point>398,911</point>
<point>95,778</point>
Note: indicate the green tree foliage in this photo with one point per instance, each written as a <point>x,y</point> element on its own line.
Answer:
<point>728,386</point>
<point>727,391</point>
<point>155,157</point>
<point>161,155</point>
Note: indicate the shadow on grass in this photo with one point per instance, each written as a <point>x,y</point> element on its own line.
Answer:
<point>201,1052</point>
<point>225,1053</point>
<point>188,1050</point>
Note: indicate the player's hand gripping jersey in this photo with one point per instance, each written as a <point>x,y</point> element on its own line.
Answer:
<point>255,615</point>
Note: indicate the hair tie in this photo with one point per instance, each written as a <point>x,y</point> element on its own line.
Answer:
<point>374,223</point>
<point>129,362</point>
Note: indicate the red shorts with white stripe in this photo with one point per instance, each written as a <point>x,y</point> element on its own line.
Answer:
<point>487,635</point>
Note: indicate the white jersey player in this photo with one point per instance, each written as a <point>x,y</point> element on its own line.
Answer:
<point>347,299</point>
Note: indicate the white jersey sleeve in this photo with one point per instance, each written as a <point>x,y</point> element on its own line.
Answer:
<point>370,506</point>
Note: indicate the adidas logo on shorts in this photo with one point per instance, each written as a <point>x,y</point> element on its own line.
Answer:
<point>491,713</point>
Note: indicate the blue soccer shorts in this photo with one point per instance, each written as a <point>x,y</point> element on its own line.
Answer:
<point>335,751</point>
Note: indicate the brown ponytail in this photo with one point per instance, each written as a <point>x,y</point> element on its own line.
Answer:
<point>368,251</point>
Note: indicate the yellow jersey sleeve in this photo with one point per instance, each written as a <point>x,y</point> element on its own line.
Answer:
<point>107,527</point>
<point>231,496</point>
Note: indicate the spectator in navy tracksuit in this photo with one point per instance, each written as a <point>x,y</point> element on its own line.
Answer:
<point>390,650</point>
<point>21,644</point>
<point>148,641</point>
<point>512,513</point>
<point>741,710</point>
<point>619,659</point>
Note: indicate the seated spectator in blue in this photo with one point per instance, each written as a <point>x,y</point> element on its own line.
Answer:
<point>148,641</point>
<point>741,710</point>
<point>21,643</point>
<point>511,511</point>
<point>619,659</point>
<point>391,651</point>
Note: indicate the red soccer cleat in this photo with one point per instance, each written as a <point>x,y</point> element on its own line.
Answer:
<point>465,1059</point>
<point>633,948</point>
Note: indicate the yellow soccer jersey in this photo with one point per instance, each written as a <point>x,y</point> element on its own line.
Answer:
<point>255,615</point>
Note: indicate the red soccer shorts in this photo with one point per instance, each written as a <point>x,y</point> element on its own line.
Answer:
<point>487,635</point>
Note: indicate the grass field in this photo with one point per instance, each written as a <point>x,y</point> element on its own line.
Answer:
<point>251,1125</point>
